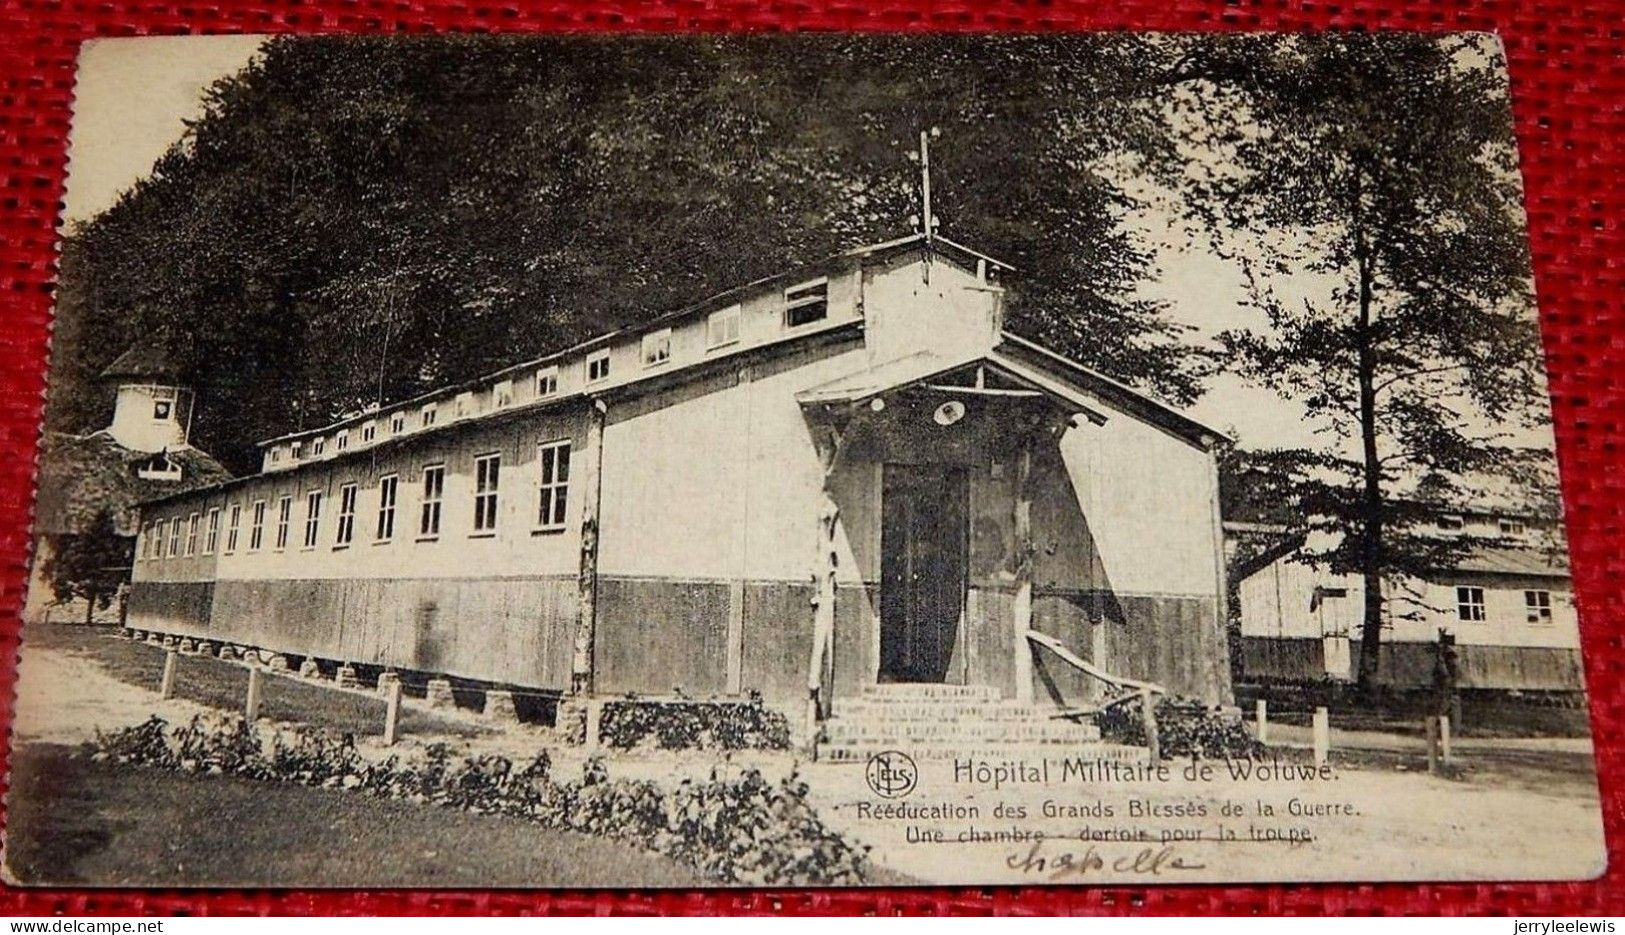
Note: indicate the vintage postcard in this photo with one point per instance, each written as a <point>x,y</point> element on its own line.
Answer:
<point>838,460</point>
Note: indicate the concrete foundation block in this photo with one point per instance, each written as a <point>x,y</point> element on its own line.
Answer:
<point>346,678</point>
<point>499,706</point>
<point>387,679</point>
<point>309,669</point>
<point>440,696</point>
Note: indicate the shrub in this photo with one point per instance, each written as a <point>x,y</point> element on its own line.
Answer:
<point>737,828</point>
<point>693,725</point>
<point>1185,728</point>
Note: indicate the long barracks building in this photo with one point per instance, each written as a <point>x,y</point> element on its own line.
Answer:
<point>839,477</point>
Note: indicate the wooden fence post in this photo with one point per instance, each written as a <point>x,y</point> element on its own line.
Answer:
<point>392,712</point>
<point>1432,728</point>
<point>166,685</point>
<point>251,709</point>
<point>1148,713</point>
<point>1323,736</point>
<point>1444,738</point>
<point>1262,717</point>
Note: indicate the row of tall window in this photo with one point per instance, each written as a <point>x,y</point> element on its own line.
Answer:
<point>181,536</point>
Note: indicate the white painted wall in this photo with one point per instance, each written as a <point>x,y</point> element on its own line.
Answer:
<point>1275,602</point>
<point>137,426</point>
<point>1148,497</point>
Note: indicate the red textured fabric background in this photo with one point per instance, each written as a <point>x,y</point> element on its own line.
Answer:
<point>1568,77</point>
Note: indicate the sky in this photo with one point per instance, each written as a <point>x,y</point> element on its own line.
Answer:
<point>133,97</point>
<point>131,101</point>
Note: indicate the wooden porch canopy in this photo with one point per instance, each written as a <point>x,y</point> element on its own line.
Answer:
<point>987,379</point>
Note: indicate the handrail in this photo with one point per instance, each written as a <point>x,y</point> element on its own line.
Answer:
<point>1067,656</point>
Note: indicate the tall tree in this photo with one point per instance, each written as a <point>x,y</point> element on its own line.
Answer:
<point>91,565</point>
<point>1370,192</point>
<point>360,219</point>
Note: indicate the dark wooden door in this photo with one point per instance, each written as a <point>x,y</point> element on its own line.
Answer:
<point>924,538</point>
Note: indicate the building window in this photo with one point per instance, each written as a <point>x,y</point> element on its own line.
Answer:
<point>547,382</point>
<point>313,517</point>
<point>211,536</point>
<point>318,446</point>
<point>162,409</point>
<point>463,406</point>
<point>346,528</point>
<point>555,484</point>
<point>1470,604</point>
<point>657,347</point>
<point>806,303</point>
<point>502,394</point>
<point>1451,523</point>
<point>722,327</point>
<point>598,367</point>
<point>175,537</point>
<point>369,431</point>
<point>158,538</point>
<point>1537,606</point>
<point>284,515</point>
<point>434,490</point>
<point>1512,527</point>
<point>276,454</point>
<point>191,534</point>
<point>487,470</point>
<point>232,525</point>
<point>428,414</point>
<point>388,487</point>
<point>341,441</point>
<point>397,423</point>
<point>295,450</point>
<point>256,526</point>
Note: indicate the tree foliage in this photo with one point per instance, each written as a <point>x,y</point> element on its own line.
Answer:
<point>1373,183</point>
<point>358,220</point>
<point>91,565</point>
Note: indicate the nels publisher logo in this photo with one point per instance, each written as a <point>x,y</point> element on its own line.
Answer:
<point>891,774</point>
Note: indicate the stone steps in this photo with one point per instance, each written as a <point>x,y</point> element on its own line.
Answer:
<point>932,721</point>
<point>860,753</point>
<point>862,708</point>
<point>931,691</point>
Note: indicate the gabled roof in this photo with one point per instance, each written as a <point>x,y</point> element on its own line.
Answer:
<point>81,474</point>
<point>147,360</point>
<point>1015,351</point>
<point>918,370</point>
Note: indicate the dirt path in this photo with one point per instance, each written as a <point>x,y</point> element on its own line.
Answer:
<point>65,697</point>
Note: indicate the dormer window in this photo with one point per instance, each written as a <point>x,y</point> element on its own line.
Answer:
<point>547,382</point>
<point>397,423</point>
<point>428,415</point>
<point>341,441</point>
<point>806,303</point>
<point>369,432</point>
<point>502,394</point>
<point>318,446</point>
<point>276,454</point>
<point>657,347</point>
<point>598,367</point>
<point>158,467</point>
<point>464,406</point>
<point>295,450</point>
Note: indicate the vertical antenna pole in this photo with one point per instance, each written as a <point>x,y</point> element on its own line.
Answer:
<point>926,223</point>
